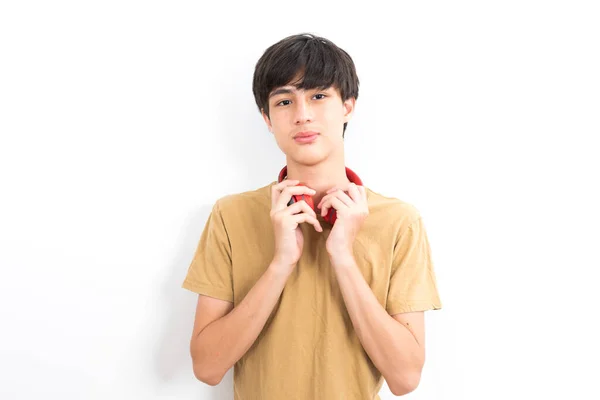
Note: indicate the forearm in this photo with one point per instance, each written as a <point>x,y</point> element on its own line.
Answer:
<point>389,344</point>
<point>223,342</point>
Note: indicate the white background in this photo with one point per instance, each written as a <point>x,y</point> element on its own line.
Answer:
<point>122,122</point>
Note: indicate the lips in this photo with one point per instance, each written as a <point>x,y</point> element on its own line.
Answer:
<point>306,137</point>
<point>305,134</point>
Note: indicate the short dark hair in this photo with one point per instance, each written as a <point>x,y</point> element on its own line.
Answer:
<point>319,62</point>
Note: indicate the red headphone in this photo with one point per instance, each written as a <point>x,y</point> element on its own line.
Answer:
<point>331,215</point>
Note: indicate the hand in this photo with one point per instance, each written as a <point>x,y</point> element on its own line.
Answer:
<point>352,209</point>
<point>289,240</point>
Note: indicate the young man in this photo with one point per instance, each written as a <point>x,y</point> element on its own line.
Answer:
<point>304,302</point>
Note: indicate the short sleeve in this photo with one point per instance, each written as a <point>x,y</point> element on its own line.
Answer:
<point>413,285</point>
<point>210,271</point>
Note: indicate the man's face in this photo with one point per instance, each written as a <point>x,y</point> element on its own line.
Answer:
<point>318,115</point>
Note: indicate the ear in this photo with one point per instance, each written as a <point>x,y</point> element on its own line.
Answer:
<point>267,120</point>
<point>349,106</point>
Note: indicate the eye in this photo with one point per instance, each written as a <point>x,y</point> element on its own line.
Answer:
<point>320,94</point>
<point>283,101</point>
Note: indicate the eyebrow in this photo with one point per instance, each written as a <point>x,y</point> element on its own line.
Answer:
<point>283,90</point>
<point>287,90</point>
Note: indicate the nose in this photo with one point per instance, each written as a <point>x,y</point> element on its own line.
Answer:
<point>303,113</point>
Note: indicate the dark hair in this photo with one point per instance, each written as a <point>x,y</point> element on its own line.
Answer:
<point>318,61</point>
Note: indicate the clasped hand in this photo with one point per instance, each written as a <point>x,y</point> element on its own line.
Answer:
<point>352,209</point>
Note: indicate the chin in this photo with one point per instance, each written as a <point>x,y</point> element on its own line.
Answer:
<point>309,159</point>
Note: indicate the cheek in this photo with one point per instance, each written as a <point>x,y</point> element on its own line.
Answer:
<point>278,118</point>
<point>332,116</point>
<point>334,112</point>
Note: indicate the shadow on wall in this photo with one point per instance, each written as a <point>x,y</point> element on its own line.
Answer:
<point>172,358</point>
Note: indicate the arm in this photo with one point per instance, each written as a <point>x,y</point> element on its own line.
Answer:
<point>223,334</point>
<point>395,344</point>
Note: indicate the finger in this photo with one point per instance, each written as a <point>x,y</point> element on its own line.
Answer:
<point>326,197</point>
<point>363,192</point>
<point>337,204</point>
<point>276,189</point>
<point>343,197</point>
<point>332,202</point>
<point>296,208</point>
<point>324,208</point>
<point>299,207</point>
<point>286,182</point>
<point>287,193</point>
<point>324,200</point>
<point>355,193</point>
<point>310,219</point>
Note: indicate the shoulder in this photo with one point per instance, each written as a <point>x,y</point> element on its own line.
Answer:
<point>250,202</point>
<point>391,211</point>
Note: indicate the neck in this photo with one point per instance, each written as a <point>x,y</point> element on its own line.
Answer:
<point>322,176</point>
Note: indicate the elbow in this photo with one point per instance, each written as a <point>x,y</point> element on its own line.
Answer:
<point>404,384</point>
<point>204,369</point>
<point>205,375</point>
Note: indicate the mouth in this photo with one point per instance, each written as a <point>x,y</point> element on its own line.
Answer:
<point>306,137</point>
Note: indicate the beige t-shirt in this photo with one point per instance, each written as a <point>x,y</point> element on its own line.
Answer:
<point>308,348</point>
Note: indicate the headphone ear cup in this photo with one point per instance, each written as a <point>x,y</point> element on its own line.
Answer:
<point>298,197</point>
<point>331,216</point>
